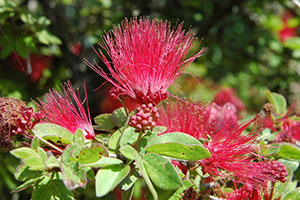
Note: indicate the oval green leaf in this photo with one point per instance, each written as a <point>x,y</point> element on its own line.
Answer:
<point>293,195</point>
<point>91,155</point>
<point>119,117</point>
<point>161,172</point>
<point>178,145</point>
<point>104,121</point>
<point>289,151</point>
<point>109,177</point>
<point>54,133</point>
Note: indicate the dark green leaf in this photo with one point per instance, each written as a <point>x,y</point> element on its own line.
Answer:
<point>129,181</point>
<point>49,189</point>
<point>23,173</point>
<point>178,145</point>
<point>109,177</point>
<point>5,51</point>
<point>119,117</point>
<point>161,172</point>
<point>27,184</point>
<point>104,122</point>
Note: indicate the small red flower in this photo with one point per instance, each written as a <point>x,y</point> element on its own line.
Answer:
<point>33,66</point>
<point>287,32</point>
<point>228,95</point>
<point>66,109</point>
<point>146,58</point>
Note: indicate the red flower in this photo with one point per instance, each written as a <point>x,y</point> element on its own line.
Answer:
<point>290,131</point>
<point>59,108</point>
<point>287,32</point>
<point>233,151</point>
<point>147,56</point>
<point>34,66</point>
<point>227,95</point>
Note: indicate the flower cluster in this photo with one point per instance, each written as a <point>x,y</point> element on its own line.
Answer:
<point>15,119</point>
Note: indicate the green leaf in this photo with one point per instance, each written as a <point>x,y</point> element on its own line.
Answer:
<point>129,136</point>
<point>104,121</point>
<point>35,143</point>
<point>79,137</point>
<point>53,133</point>
<point>27,184</point>
<point>178,145</point>
<point>293,195</point>
<point>5,51</point>
<point>278,101</point>
<point>289,151</point>
<point>52,162</point>
<point>159,129</point>
<point>104,162</point>
<point>129,181</point>
<point>292,43</point>
<point>71,151</point>
<point>127,195</point>
<point>49,189</point>
<point>23,173</point>
<point>177,195</point>
<point>47,38</point>
<point>279,187</point>
<point>140,165</point>
<point>29,157</point>
<point>161,172</point>
<point>128,151</point>
<point>119,117</point>
<point>109,177</point>
<point>91,155</point>
<point>71,179</point>
<point>113,142</point>
<point>43,154</point>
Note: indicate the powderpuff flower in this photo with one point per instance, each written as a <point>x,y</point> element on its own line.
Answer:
<point>66,109</point>
<point>233,150</point>
<point>16,119</point>
<point>290,131</point>
<point>146,57</point>
<point>228,95</point>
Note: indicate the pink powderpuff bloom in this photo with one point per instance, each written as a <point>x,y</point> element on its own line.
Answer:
<point>290,131</point>
<point>233,151</point>
<point>146,57</point>
<point>66,109</point>
<point>228,95</point>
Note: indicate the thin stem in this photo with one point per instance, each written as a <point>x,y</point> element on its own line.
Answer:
<point>272,191</point>
<point>124,105</point>
<point>136,145</point>
<point>50,145</point>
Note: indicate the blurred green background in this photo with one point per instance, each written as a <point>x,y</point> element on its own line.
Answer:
<point>252,45</point>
